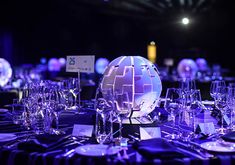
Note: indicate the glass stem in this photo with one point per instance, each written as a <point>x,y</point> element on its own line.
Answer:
<point>222,123</point>
<point>173,120</point>
<point>194,124</point>
<point>120,128</point>
<point>57,120</point>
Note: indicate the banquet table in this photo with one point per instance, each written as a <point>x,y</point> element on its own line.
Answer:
<point>128,155</point>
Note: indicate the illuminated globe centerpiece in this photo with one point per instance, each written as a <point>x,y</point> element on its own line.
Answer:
<point>5,72</point>
<point>187,68</point>
<point>139,78</point>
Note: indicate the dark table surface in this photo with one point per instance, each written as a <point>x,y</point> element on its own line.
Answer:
<point>14,155</point>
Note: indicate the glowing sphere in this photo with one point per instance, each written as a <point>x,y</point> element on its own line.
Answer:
<point>101,64</point>
<point>139,78</point>
<point>54,65</point>
<point>187,68</point>
<point>5,72</point>
<point>62,62</point>
<point>43,60</point>
<point>201,64</point>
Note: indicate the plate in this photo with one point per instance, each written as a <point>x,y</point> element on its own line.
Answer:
<point>4,137</point>
<point>218,147</point>
<point>96,150</point>
<point>3,110</point>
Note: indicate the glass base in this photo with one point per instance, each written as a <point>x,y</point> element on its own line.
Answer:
<point>121,141</point>
<point>222,131</point>
<point>57,132</point>
<point>172,136</point>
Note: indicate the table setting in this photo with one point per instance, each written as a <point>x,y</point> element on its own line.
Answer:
<point>122,124</point>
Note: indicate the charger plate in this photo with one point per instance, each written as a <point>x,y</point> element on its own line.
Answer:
<point>4,137</point>
<point>97,150</point>
<point>216,146</point>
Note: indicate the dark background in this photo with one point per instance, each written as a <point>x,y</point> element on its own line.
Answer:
<point>30,30</point>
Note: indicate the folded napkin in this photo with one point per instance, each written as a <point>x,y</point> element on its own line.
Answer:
<point>157,148</point>
<point>230,137</point>
<point>45,142</point>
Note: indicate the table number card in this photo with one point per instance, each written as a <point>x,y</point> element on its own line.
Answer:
<point>83,63</point>
<point>150,132</point>
<point>206,128</point>
<point>82,130</point>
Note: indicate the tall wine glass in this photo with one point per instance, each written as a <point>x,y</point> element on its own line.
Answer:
<point>57,107</point>
<point>213,87</point>
<point>231,103</point>
<point>221,105</point>
<point>188,86</point>
<point>74,84</point>
<point>122,109</point>
<point>196,107</point>
<point>173,105</point>
<point>104,106</point>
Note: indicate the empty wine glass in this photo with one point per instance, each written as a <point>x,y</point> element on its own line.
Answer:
<point>221,105</point>
<point>188,86</point>
<point>104,106</point>
<point>173,105</point>
<point>57,107</point>
<point>74,84</point>
<point>122,110</point>
<point>231,104</point>
<point>196,107</point>
<point>213,87</point>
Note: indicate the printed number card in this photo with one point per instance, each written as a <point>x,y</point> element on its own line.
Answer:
<point>81,63</point>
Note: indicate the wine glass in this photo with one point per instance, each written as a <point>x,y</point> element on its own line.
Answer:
<point>195,108</point>
<point>231,103</point>
<point>173,105</point>
<point>104,104</point>
<point>214,85</point>
<point>122,110</point>
<point>221,105</point>
<point>74,84</point>
<point>56,107</point>
<point>188,86</point>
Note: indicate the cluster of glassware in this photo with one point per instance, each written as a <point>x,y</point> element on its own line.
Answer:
<point>43,102</point>
<point>110,107</point>
<point>224,101</point>
<point>185,103</point>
